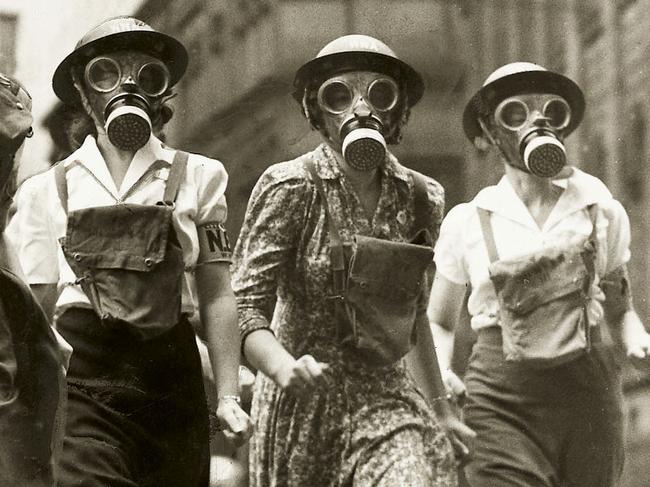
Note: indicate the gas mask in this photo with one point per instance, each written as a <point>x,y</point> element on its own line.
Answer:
<point>121,88</point>
<point>534,122</point>
<point>359,110</point>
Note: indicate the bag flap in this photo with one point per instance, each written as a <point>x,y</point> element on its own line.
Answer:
<point>126,236</point>
<point>525,284</point>
<point>391,270</point>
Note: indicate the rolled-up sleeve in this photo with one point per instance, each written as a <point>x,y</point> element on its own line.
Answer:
<point>211,200</point>
<point>618,236</point>
<point>212,212</point>
<point>267,241</point>
<point>449,258</point>
<point>31,233</point>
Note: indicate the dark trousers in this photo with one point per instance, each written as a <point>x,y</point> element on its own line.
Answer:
<point>557,427</point>
<point>137,413</point>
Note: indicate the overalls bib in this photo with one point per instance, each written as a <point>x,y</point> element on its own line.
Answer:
<point>377,284</point>
<point>543,298</point>
<point>137,413</point>
<point>127,257</point>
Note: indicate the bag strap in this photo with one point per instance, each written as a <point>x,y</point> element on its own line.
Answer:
<point>421,201</point>
<point>590,264</point>
<point>336,245</point>
<point>488,234</point>
<point>176,175</point>
<point>593,216</point>
<point>61,185</point>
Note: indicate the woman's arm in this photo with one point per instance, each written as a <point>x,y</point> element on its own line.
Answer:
<point>265,353</point>
<point>444,309</point>
<point>218,312</point>
<point>424,360</point>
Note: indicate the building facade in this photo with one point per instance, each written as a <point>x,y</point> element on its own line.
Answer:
<point>235,102</point>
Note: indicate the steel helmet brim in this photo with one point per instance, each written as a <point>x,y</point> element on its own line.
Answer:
<point>489,96</point>
<point>163,47</point>
<point>320,68</point>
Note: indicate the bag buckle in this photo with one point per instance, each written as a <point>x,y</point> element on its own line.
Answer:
<point>335,297</point>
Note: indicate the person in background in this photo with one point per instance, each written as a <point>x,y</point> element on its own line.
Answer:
<point>537,250</point>
<point>330,334</point>
<point>118,227</point>
<point>32,359</point>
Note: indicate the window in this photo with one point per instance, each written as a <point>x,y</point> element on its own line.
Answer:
<point>8,43</point>
<point>590,22</point>
<point>634,165</point>
<point>595,156</point>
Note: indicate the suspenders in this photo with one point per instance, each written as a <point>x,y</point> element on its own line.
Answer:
<point>176,175</point>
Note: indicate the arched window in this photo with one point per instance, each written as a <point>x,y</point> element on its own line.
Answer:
<point>634,165</point>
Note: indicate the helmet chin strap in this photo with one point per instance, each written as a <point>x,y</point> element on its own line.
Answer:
<point>496,143</point>
<point>85,103</point>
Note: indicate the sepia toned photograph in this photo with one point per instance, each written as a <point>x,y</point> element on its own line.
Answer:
<point>337,243</point>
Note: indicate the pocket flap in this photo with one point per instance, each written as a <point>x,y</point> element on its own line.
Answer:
<point>127,236</point>
<point>393,270</point>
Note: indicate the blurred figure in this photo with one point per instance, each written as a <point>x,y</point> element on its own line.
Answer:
<point>330,274</point>
<point>125,217</point>
<point>544,390</point>
<point>32,392</point>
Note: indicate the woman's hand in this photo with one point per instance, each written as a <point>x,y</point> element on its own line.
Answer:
<point>454,385</point>
<point>636,339</point>
<point>301,376</point>
<point>236,425</point>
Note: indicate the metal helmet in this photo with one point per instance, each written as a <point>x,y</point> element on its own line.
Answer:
<point>117,34</point>
<point>357,52</point>
<point>518,78</point>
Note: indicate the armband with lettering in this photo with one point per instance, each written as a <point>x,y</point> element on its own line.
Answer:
<point>213,243</point>
<point>618,295</point>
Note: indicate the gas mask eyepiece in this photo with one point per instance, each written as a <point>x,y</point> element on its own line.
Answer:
<point>358,100</point>
<point>126,115</point>
<point>542,152</point>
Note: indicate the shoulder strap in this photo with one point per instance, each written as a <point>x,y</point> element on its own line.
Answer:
<point>593,216</point>
<point>336,245</point>
<point>421,201</point>
<point>176,175</point>
<point>488,235</point>
<point>61,185</point>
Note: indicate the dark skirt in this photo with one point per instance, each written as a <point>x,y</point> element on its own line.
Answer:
<point>137,413</point>
<point>543,428</point>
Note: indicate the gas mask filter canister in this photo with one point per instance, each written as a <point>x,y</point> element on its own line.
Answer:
<point>364,147</point>
<point>128,125</point>
<point>544,155</point>
<point>542,152</point>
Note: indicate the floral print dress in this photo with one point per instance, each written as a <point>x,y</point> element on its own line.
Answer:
<point>372,426</point>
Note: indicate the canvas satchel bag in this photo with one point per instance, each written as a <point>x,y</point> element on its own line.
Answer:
<point>543,299</point>
<point>377,284</point>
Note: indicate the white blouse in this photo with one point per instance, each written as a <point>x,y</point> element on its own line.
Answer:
<point>461,255</point>
<point>40,220</point>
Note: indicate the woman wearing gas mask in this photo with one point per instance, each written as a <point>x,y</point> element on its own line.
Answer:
<point>127,219</point>
<point>330,278</point>
<point>537,249</point>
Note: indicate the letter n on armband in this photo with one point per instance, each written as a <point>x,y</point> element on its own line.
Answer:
<point>214,245</point>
